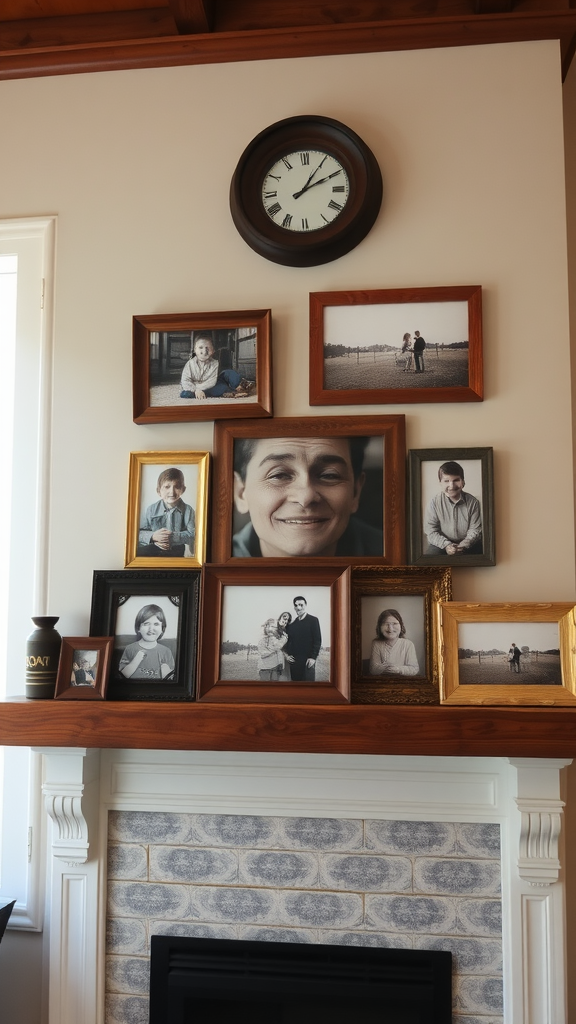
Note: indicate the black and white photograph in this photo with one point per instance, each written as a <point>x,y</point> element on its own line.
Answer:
<point>201,366</point>
<point>281,634</point>
<point>393,636</point>
<point>153,619</point>
<point>451,506</point>
<point>84,668</point>
<point>509,653</point>
<point>397,345</point>
<point>167,508</point>
<point>322,487</point>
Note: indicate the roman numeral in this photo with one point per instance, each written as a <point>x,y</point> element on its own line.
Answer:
<point>273,210</point>
<point>270,195</point>
<point>277,177</point>
<point>304,159</point>
<point>287,220</point>
<point>304,223</point>
<point>324,218</point>
<point>333,205</point>
<point>338,188</point>
<point>286,163</point>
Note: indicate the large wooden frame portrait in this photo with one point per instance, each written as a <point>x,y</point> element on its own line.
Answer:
<point>153,618</point>
<point>396,345</point>
<point>202,366</point>
<point>451,506</point>
<point>167,509</point>
<point>395,633</point>
<point>497,653</point>
<point>320,488</point>
<point>275,639</point>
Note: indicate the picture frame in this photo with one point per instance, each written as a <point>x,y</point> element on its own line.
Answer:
<point>356,465</point>
<point>156,484</point>
<point>358,341</point>
<point>430,507</point>
<point>119,600</point>
<point>230,665</point>
<point>481,663</point>
<point>83,668</point>
<point>163,344</point>
<point>409,672</point>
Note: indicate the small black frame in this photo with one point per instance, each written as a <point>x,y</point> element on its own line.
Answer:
<point>177,593</point>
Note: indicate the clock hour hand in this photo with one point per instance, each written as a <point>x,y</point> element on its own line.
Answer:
<point>297,195</point>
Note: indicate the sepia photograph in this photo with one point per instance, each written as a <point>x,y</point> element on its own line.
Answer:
<point>83,668</point>
<point>279,638</point>
<point>396,345</point>
<point>451,506</point>
<point>515,653</point>
<point>393,635</point>
<point>323,487</point>
<point>201,366</point>
<point>167,508</point>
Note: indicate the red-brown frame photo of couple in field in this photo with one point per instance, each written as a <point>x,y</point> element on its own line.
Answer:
<point>396,346</point>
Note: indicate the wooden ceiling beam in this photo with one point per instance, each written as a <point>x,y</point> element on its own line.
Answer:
<point>80,29</point>
<point>192,16</point>
<point>310,41</point>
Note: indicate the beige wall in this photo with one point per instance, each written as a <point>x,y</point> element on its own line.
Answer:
<point>137,167</point>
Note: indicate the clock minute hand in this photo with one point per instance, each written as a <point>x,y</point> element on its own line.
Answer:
<point>296,195</point>
<point>327,178</point>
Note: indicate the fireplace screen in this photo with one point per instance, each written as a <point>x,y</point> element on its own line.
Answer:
<point>249,982</point>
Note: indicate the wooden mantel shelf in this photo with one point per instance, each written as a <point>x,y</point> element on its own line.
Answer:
<point>358,729</point>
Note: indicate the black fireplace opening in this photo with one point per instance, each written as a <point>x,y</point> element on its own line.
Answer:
<point>229,981</point>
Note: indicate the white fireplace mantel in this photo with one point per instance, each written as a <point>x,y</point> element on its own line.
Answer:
<point>522,794</point>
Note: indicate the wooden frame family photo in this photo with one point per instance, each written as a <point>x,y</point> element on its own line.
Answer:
<point>394,625</point>
<point>520,653</point>
<point>167,509</point>
<point>83,668</point>
<point>201,366</point>
<point>396,345</point>
<point>275,639</point>
<point>326,488</point>
<point>153,620</point>
<point>451,506</point>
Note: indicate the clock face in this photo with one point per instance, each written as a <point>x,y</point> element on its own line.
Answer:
<point>305,190</point>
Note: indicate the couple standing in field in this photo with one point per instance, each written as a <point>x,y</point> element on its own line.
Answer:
<point>290,644</point>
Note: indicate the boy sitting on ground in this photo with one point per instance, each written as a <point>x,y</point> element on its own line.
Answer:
<point>201,379</point>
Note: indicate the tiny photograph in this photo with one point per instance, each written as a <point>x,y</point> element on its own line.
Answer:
<point>275,642</point>
<point>310,488</point>
<point>508,653</point>
<point>152,617</point>
<point>396,345</point>
<point>83,668</point>
<point>394,616</point>
<point>202,366</point>
<point>167,509</point>
<point>451,506</point>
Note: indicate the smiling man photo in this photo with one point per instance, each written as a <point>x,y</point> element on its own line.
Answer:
<point>301,494</point>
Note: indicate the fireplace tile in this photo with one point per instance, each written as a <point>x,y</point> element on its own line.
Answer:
<point>127,862</point>
<point>471,955</point>
<point>365,873</point>
<point>279,934</point>
<point>474,1019</point>
<point>236,830</point>
<point>322,909</point>
<point>147,899</point>
<point>127,974</point>
<point>127,1009</point>
<point>457,876</point>
<point>379,940</point>
<point>125,935</point>
<point>421,914</point>
<point>193,929</point>
<point>479,917</point>
<point>411,837</point>
<point>321,834</point>
<point>149,827</point>
<point>473,994</point>
<point>479,839</point>
<point>188,864</point>
<point>270,867</point>
<point>239,906</point>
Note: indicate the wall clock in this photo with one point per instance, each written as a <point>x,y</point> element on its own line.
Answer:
<point>305,191</point>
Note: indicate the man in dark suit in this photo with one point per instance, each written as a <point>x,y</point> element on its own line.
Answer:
<point>304,643</point>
